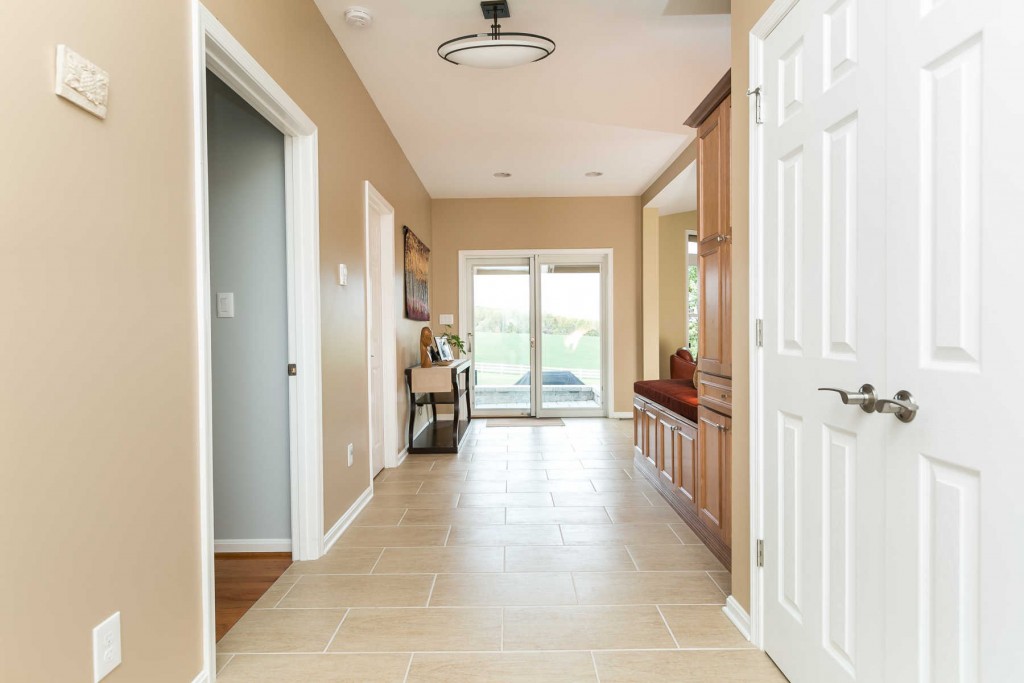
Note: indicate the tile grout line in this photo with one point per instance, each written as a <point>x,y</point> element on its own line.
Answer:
<point>408,668</point>
<point>593,660</point>
<point>430,595</point>
<point>276,604</point>
<point>669,628</point>
<point>335,634</point>
<point>447,536</point>
<point>405,513</point>
<point>631,558</point>
<point>377,561</point>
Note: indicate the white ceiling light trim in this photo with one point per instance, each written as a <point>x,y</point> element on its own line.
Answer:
<point>496,50</point>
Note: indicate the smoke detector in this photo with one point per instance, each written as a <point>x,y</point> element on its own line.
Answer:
<point>359,17</point>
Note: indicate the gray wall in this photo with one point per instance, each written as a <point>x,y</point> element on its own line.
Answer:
<point>250,351</point>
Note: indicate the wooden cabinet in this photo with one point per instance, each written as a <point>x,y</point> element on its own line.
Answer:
<point>714,330</point>
<point>714,458</point>
<point>714,226</point>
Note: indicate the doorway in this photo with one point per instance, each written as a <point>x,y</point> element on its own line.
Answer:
<point>537,326</point>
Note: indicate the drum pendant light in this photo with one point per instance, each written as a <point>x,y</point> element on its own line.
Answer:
<point>496,50</point>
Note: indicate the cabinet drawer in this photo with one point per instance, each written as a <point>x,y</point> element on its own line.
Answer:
<point>715,393</point>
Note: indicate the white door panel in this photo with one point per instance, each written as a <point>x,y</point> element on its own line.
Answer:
<point>954,518</point>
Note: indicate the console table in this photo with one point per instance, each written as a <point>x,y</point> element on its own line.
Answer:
<point>434,386</point>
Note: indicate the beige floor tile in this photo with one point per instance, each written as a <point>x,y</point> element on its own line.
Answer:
<point>419,500</point>
<point>723,579</point>
<point>643,588</point>
<point>661,558</point>
<point>585,628</point>
<point>642,515</point>
<point>273,595</point>
<point>455,517</point>
<point>281,630</point>
<point>618,473</point>
<point>506,475</point>
<point>560,464</point>
<point>561,558</point>
<point>430,629</point>
<point>702,626</point>
<point>337,590</point>
<point>505,456</point>
<point>695,666</point>
<point>451,559</point>
<point>489,590</point>
<point>446,486</point>
<point>617,534</point>
<point>503,667</point>
<point>637,485</point>
<point>338,561</point>
<point>393,488</point>
<point>393,536</point>
<point>222,661</point>
<point>491,500</point>
<point>401,474</point>
<point>685,533</point>
<point>379,516</point>
<point>559,515</point>
<point>519,534</point>
<point>606,464</point>
<point>546,486</point>
<point>329,668</point>
<point>608,499</point>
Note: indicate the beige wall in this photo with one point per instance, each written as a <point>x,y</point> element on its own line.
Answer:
<point>99,497</point>
<point>650,293</point>
<point>576,223</point>
<point>672,284</point>
<point>98,409</point>
<point>293,43</point>
<point>744,15</point>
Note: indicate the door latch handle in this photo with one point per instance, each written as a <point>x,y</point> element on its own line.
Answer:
<point>902,405</point>
<point>865,397</point>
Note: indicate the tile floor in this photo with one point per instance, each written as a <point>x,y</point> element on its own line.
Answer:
<point>536,555</point>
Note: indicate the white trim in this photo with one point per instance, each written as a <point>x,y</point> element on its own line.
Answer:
<point>215,49</point>
<point>345,521</point>
<point>765,25</point>
<point>400,458</point>
<point>621,416</point>
<point>252,545</point>
<point>738,616</point>
<point>388,325</point>
<point>608,324</point>
<point>203,677</point>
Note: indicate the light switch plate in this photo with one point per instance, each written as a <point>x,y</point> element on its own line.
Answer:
<point>106,647</point>
<point>446,319</point>
<point>225,305</point>
<point>81,82</point>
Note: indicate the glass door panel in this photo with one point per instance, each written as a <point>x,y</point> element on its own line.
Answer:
<point>571,305</point>
<point>502,335</point>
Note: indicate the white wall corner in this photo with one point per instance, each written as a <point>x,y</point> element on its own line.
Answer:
<point>738,616</point>
<point>345,521</point>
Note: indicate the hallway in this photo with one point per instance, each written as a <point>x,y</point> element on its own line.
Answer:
<point>535,555</point>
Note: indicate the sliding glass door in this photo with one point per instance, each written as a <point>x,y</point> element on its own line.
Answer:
<point>537,330</point>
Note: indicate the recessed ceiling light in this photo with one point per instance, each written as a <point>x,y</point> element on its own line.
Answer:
<point>502,174</point>
<point>594,174</point>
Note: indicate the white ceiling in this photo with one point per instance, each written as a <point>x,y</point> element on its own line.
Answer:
<point>679,195</point>
<point>612,98</point>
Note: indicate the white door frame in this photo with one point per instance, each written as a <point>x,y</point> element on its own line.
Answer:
<point>608,324</point>
<point>758,34</point>
<point>388,330</point>
<point>215,49</point>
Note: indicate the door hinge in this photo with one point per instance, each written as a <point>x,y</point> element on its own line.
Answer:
<point>759,332</point>
<point>293,369</point>
<point>756,92</point>
<point>760,552</point>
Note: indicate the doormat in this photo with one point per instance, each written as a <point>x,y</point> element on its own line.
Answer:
<point>526,422</point>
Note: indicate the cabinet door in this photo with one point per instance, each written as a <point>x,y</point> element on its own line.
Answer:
<point>666,448</point>
<point>651,436</point>
<point>638,424</point>
<point>714,453</point>
<point>684,453</point>
<point>715,328</point>
<point>713,176</point>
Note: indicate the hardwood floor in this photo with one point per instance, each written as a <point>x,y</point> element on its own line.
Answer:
<point>240,580</point>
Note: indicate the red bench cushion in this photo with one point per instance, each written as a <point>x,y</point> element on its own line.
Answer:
<point>677,395</point>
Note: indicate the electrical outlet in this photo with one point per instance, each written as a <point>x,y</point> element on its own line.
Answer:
<point>106,647</point>
<point>351,454</point>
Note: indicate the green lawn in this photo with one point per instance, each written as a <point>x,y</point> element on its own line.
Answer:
<point>514,349</point>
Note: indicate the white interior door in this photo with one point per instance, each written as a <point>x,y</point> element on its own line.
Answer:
<point>954,515</point>
<point>374,320</point>
<point>824,248</point>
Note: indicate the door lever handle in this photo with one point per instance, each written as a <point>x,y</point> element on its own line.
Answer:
<point>902,405</point>
<point>864,397</point>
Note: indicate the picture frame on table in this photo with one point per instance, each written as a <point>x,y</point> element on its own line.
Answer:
<point>444,349</point>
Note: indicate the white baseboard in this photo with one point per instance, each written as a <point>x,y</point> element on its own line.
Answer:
<point>203,677</point>
<point>252,545</point>
<point>401,457</point>
<point>621,416</point>
<point>332,536</point>
<point>738,616</point>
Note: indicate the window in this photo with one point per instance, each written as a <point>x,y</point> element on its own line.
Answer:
<point>692,294</point>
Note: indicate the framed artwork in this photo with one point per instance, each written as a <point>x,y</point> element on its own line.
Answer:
<point>444,349</point>
<point>417,277</point>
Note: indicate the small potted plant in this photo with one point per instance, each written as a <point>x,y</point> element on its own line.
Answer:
<point>454,340</point>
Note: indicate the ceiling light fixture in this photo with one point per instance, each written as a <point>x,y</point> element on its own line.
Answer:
<point>502,174</point>
<point>594,174</point>
<point>496,50</point>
